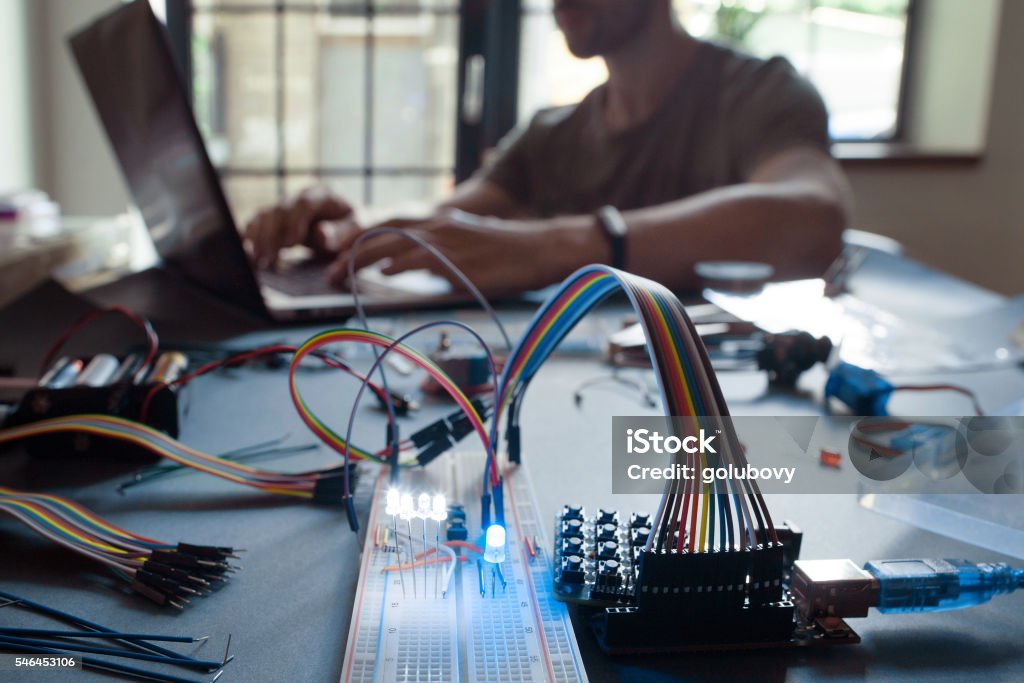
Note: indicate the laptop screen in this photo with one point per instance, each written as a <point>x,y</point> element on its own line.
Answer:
<point>126,62</point>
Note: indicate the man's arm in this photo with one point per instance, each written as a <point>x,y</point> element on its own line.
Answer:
<point>483,198</point>
<point>326,223</point>
<point>790,213</point>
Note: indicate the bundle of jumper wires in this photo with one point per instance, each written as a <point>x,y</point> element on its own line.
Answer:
<point>691,514</point>
<point>166,573</point>
<point>321,486</point>
<point>317,485</point>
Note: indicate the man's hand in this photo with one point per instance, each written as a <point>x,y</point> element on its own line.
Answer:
<point>315,218</point>
<point>501,257</point>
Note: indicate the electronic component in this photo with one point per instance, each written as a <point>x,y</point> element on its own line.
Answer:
<point>168,367</point>
<point>466,364</point>
<point>832,588</point>
<point>494,544</point>
<point>99,371</point>
<point>829,458</point>
<point>930,585</point>
<point>838,588</point>
<point>791,539</point>
<point>104,385</point>
<point>742,596</point>
<point>128,368</point>
<point>788,355</point>
<point>165,573</point>
<point>440,436</point>
<point>88,387</point>
<point>457,530</point>
<point>477,632</point>
<point>439,508</point>
<point>61,374</point>
<point>867,393</point>
<point>864,392</point>
<point>584,547</point>
<point>320,486</point>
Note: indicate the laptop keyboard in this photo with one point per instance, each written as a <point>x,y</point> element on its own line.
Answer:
<point>307,279</point>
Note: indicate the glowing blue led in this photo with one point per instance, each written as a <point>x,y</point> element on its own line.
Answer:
<point>494,544</point>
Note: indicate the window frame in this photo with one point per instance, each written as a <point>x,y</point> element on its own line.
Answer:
<point>471,140</point>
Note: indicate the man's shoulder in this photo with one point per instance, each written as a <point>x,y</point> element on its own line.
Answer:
<point>741,71</point>
<point>747,81</point>
<point>549,117</point>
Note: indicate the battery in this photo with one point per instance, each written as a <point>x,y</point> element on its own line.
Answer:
<point>127,370</point>
<point>168,367</point>
<point>99,371</point>
<point>65,374</point>
<point>54,370</point>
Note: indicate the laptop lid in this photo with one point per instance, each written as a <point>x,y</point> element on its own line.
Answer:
<point>126,62</point>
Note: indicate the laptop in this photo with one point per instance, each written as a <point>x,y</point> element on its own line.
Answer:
<point>125,59</point>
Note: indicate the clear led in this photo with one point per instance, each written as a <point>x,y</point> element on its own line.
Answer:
<point>423,506</point>
<point>494,544</point>
<point>439,508</point>
<point>406,508</point>
<point>393,502</point>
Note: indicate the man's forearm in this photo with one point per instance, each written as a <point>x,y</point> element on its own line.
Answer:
<point>794,226</point>
<point>482,198</point>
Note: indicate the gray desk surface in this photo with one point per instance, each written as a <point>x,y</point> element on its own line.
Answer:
<point>288,609</point>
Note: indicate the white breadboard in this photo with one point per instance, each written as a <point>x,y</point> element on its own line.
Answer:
<point>517,634</point>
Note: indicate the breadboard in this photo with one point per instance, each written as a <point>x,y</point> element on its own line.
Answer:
<point>519,633</point>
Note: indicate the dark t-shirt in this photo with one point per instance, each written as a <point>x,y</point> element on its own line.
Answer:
<point>727,113</point>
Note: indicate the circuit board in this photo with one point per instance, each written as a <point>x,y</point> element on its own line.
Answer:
<point>597,560</point>
<point>480,629</point>
<point>596,557</point>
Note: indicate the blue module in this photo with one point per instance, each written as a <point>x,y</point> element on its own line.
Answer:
<point>864,392</point>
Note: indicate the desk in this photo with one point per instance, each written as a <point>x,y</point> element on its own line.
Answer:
<point>288,609</point>
<point>82,252</point>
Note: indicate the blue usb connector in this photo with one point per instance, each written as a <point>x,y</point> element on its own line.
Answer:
<point>940,585</point>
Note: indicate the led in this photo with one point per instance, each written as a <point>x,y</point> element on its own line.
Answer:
<point>423,506</point>
<point>407,509</point>
<point>439,508</point>
<point>494,544</point>
<point>392,502</point>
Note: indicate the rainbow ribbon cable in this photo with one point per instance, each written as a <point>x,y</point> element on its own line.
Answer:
<point>166,573</point>
<point>689,512</point>
<point>382,341</point>
<point>303,485</point>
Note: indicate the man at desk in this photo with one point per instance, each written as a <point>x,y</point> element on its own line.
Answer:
<point>689,152</point>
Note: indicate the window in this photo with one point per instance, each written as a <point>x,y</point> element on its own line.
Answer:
<point>852,50</point>
<point>357,94</point>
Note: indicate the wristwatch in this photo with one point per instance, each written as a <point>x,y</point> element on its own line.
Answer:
<point>614,227</point>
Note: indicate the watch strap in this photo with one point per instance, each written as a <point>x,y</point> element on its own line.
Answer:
<point>614,227</point>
